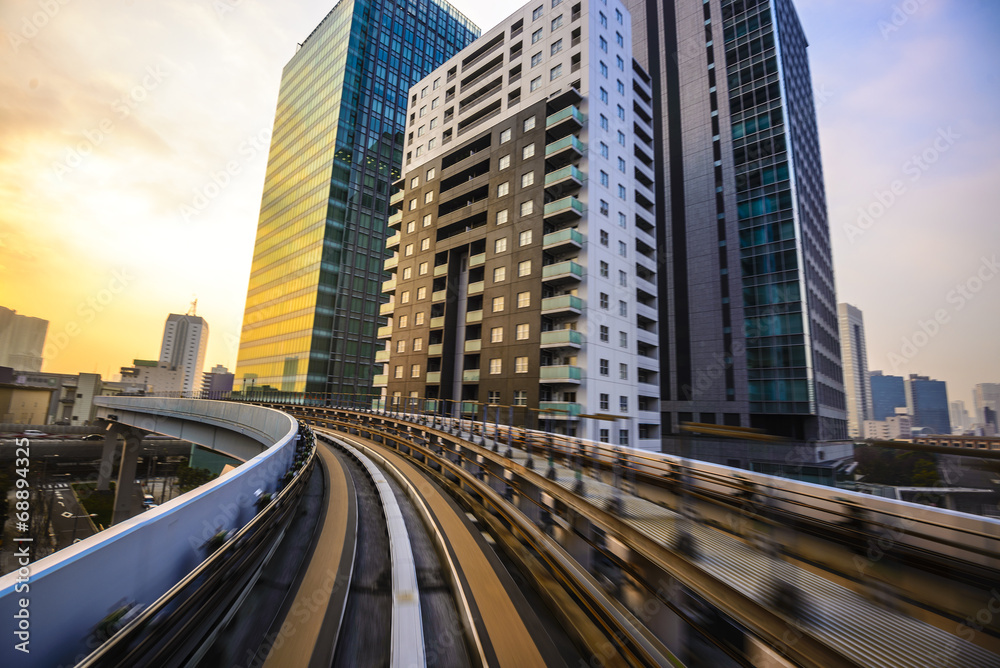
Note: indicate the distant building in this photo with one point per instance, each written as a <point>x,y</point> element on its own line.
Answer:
<point>153,377</point>
<point>888,394</point>
<point>960,420</point>
<point>985,395</point>
<point>24,405</point>
<point>22,340</point>
<point>892,428</point>
<point>185,340</point>
<point>854,356</point>
<point>927,403</point>
<point>71,397</point>
<point>217,383</point>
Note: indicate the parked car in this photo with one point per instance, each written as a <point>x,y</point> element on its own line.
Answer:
<point>93,437</point>
<point>33,433</point>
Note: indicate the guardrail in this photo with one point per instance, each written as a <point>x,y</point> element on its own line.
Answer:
<point>67,594</point>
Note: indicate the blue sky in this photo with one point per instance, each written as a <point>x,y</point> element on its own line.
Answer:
<point>117,121</point>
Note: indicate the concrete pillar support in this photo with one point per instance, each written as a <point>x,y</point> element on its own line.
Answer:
<point>125,489</point>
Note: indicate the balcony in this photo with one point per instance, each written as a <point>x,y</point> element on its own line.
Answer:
<point>393,241</point>
<point>389,286</point>
<point>477,260</point>
<point>566,120</point>
<point>563,181</point>
<point>561,338</point>
<point>396,198</point>
<point>434,377</point>
<point>562,410</point>
<point>435,350</point>
<point>562,373</point>
<point>470,408</point>
<point>474,316</point>
<point>476,288</point>
<point>387,308</point>
<point>563,241</point>
<point>385,332</point>
<point>382,356</point>
<point>473,345</point>
<point>562,305</point>
<point>565,150</point>
<point>470,376</point>
<point>437,322</point>
<point>380,380</point>
<point>562,272</point>
<point>439,296</point>
<point>391,262</point>
<point>396,219</point>
<point>441,270</point>
<point>567,208</point>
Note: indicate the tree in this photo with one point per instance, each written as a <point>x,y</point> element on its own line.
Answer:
<point>188,478</point>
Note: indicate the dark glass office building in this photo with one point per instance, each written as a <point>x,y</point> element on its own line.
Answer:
<point>312,307</point>
<point>927,401</point>
<point>749,331</point>
<point>888,394</point>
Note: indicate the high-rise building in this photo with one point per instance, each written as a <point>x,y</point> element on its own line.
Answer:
<point>888,394</point>
<point>747,294</point>
<point>525,266</point>
<point>313,297</point>
<point>854,353</point>
<point>185,341</point>
<point>927,403</point>
<point>959,415</point>
<point>22,340</point>
<point>985,395</point>
<point>217,383</point>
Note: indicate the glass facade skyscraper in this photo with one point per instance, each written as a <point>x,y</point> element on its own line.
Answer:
<point>312,307</point>
<point>888,394</point>
<point>752,335</point>
<point>927,401</point>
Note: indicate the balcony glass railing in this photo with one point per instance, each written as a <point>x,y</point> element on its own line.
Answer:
<point>433,376</point>
<point>382,356</point>
<point>560,409</point>
<point>562,303</point>
<point>439,296</point>
<point>441,269</point>
<point>385,332</point>
<point>473,345</point>
<point>380,380</point>
<point>567,205</point>
<point>393,241</point>
<point>437,322</point>
<point>570,112</point>
<point>567,172</point>
<point>396,218</point>
<point>563,238</point>
<point>566,143</point>
<point>435,349</point>
<point>567,337</point>
<point>477,260</point>
<point>387,308</point>
<point>474,316</point>
<point>560,372</point>
<point>470,375</point>
<point>567,268</point>
<point>476,288</point>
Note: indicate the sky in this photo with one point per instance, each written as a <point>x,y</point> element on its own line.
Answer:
<point>133,144</point>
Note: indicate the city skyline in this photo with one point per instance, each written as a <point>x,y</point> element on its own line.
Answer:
<point>158,160</point>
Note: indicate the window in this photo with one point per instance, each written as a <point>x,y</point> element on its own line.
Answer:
<point>622,307</point>
<point>425,243</point>
<point>527,208</point>
<point>423,268</point>
<point>604,209</point>
<point>602,43</point>
<point>414,182</point>
<point>604,402</point>
<point>535,36</point>
<point>622,192</point>
<point>604,150</point>
<point>414,371</point>
<point>537,58</point>
<point>411,226</point>
<point>621,89</point>
<point>557,22</point>
<point>556,47</point>
<point>501,217</point>
<point>423,111</point>
<point>604,333</point>
<point>623,339</point>
<point>604,269</point>
<point>418,344</point>
<point>604,300</point>
<point>428,197</point>
<point>537,14</point>
<point>619,39</point>
<point>622,220</point>
<point>504,162</point>
<point>556,2</point>
<point>621,63</point>
<point>500,245</point>
<point>401,346</point>
<point>527,179</point>
<point>623,436</point>
<point>623,249</point>
<point>496,335</point>
<point>621,137</point>
<point>503,189</point>
<point>604,122</point>
<point>523,332</point>
<point>496,366</point>
<point>604,233</point>
<point>621,165</point>
<point>528,151</point>
<point>413,204</point>
<point>505,136</point>
<point>421,293</point>
<point>605,436</point>
<point>418,318</point>
<point>408,251</point>
<point>604,367</point>
<point>427,220</point>
<point>603,19</point>
<point>524,268</point>
<point>405,297</point>
<point>520,397</point>
<point>622,278</point>
<point>498,304</point>
<point>520,365</point>
<point>402,321</point>
<point>434,105</point>
<point>529,124</point>
<point>437,84</point>
<point>523,299</point>
<point>423,92</point>
<point>524,238</point>
<point>623,371</point>
<point>420,130</point>
<point>605,179</point>
<point>621,112</point>
<point>536,83</point>
<point>604,95</point>
<point>555,72</point>
<point>398,371</point>
<point>604,70</point>
<point>619,17</point>
<point>494,397</point>
<point>430,174</point>
<point>499,274</point>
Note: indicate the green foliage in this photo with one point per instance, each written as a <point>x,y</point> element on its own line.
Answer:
<point>886,466</point>
<point>189,478</point>
<point>92,501</point>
